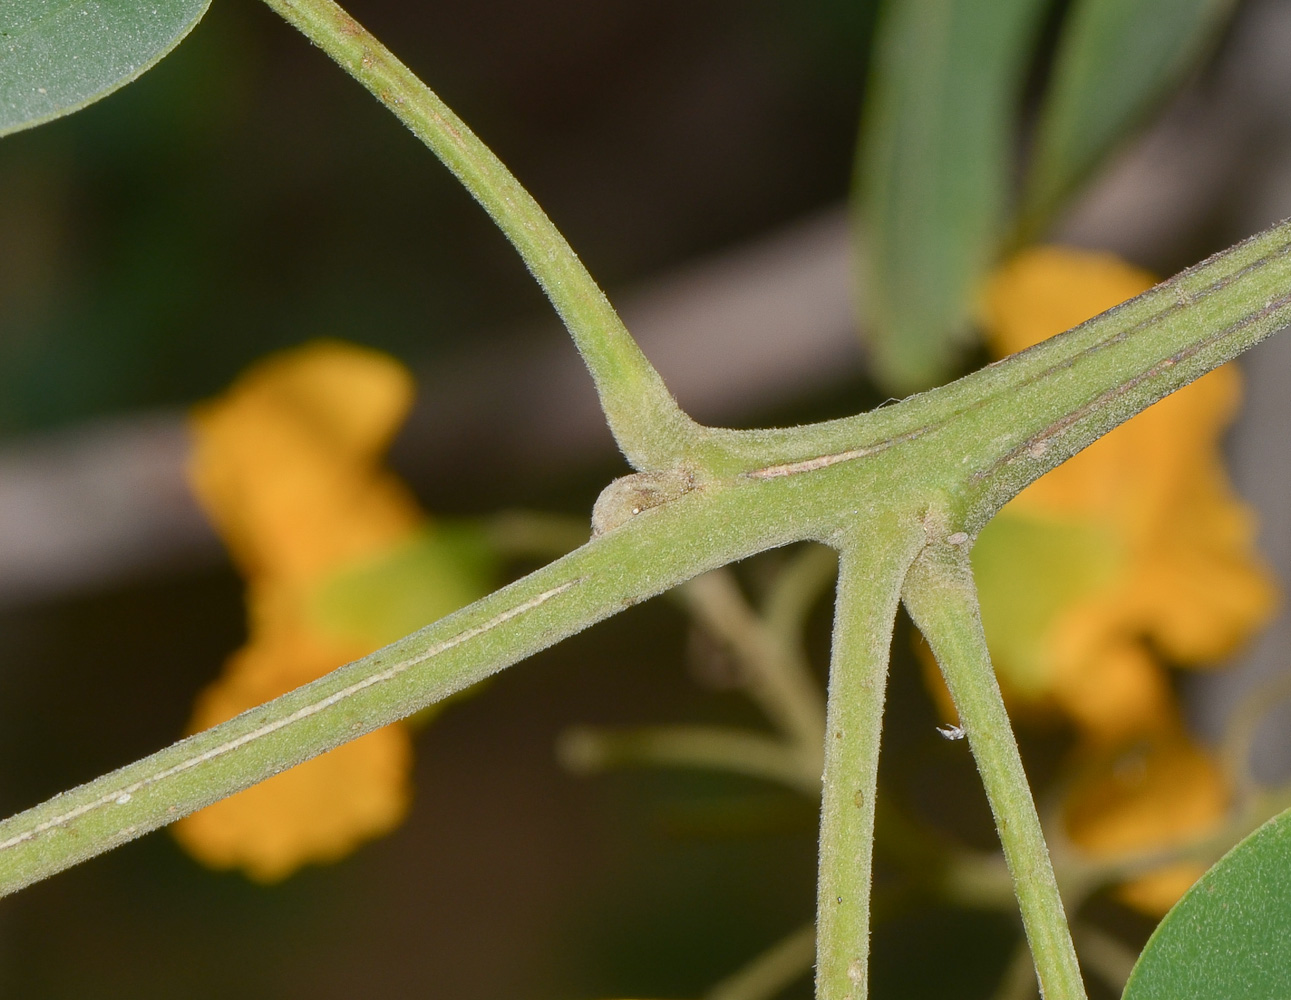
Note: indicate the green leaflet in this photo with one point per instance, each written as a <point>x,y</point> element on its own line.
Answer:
<point>933,172</point>
<point>57,56</point>
<point>1230,935</point>
<point>1116,58</point>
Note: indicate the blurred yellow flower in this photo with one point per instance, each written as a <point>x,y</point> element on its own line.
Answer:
<point>1152,797</point>
<point>286,464</point>
<point>1133,552</point>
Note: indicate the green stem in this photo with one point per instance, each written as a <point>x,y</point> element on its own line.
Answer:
<point>942,599</point>
<point>990,434</point>
<point>861,483</point>
<point>651,429</point>
<point>601,578</point>
<point>738,751</point>
<point>869,584</point>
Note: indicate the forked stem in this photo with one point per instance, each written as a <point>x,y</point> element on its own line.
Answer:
<point>942,599</point>
<point>651,429</point>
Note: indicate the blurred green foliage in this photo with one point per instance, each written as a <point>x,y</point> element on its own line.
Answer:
<point>945,125</point>
<point>225,205</point>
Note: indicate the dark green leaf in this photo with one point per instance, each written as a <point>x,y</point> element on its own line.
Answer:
<point>1116,58</point>
<point>1230,935</point>
<point>57,56</point>
<point>933,172</point>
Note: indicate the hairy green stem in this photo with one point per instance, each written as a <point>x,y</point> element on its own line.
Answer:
<point>859,483</point>
<point>651,429</point>
<point>999,429</point>
<point>942,599</point>
<point>871,569</point>
<point>601,578</point>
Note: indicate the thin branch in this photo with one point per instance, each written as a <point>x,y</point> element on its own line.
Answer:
<point>1243,727</point>
<point>528,534</point>
<point>777,676</point>
<point>772,971</point>
<point>1081,876</point>
<point>985,437</point>
<point>1111,959</point>
<point>651,429</point>
<point>942,600</point>
<point>869,584</point>
<point>1019,982</point>
<point>588,749</point>
<point>797,588</point>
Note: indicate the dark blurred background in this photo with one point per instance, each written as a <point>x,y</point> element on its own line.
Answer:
<point>245,196</point>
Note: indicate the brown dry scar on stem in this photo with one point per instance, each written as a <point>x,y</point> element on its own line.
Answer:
<point>122,795</point>
<point>443,123</point>
<point>812,464</point>
<point>628,496</point>
<point>825,461</point>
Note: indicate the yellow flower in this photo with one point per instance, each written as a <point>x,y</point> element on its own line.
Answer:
<point>286,465</point>
<point>1158,546</point>
<point>316,812</point>
<point>1151,797</point>
<point>1134,551</point>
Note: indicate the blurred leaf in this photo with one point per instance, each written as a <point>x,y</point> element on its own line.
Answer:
<point>933,172</point>
<point>1116,58</point>
<point>435,573</point>
<point>58,56</point>
<point>1230,935</point>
